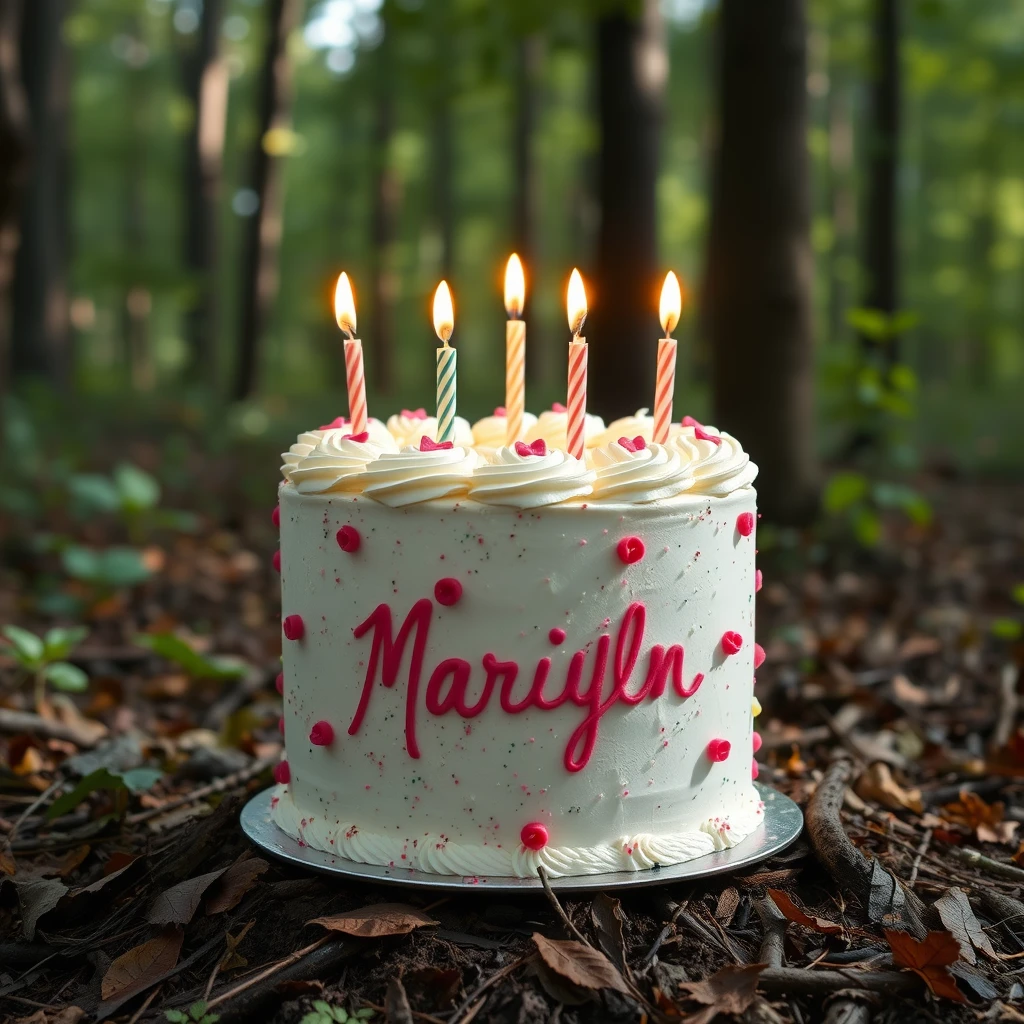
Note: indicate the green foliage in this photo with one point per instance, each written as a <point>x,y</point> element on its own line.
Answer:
<point>41,658</point>
<point>195,1014</point>
<point>110,569</point>
<point>1006,629</point>
<point>199,666</point>
<point>119,783</point>
<point>324,1013</point>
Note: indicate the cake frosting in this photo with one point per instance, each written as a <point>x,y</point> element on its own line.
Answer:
<point>499,658</point>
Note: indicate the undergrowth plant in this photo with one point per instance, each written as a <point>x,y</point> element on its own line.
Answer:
<point>42,658</point>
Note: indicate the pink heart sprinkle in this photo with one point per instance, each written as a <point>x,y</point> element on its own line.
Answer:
<point>348,539</point>
<point>415,414</point>
<point>448,591</point>
<point>630,549</point>
<point>759,655</point>
<point>322,734</point>
<point>279,683</point>
<point>275,516</point>
<point>335,424</point>
<point>558,407</point>
<point>500,411</point>
<point>731,642</point>
<point>638,444</point>
<point>277,560</point>
<point>556,635</point>
<point>538,447</point>
<point>702,435</point>
<point>758,580</point>
<point>718,750</point>
<point>361,438</point>
<point>282,773</point>
<point>689,421</point>
<point>757,742</point>
<point>426,445</point>
<point>745,524</point>
<point>534,836</point>
<point>294,627</point>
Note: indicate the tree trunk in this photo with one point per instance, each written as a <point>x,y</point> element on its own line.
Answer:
<point>632,70</point>
<point>443,140</point>
<point>758,285</point>
<point>880,249</point>
<point>206,84</point>
<point>40,338</point>
<point>261,239</point>
<point>14,165</point>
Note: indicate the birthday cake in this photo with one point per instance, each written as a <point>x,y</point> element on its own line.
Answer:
<point>502,657</point>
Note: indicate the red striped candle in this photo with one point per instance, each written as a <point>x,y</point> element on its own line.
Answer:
<point>345,314</point>
<point>576,306</point>
<point>665,385</point>
<point>515,350</point>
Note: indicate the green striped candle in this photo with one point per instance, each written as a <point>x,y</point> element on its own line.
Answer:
<point>444,324</point>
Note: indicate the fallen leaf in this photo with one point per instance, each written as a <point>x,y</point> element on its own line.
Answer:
<point>66,1015</point>
<point>606,913</point>
<point>729,990</point>
<point>396,1003</point>
<point>907,692</point>
<point>376,921</point>
<point>956,914</point>
<point>234,884</point>
<point>8,867</point>
<point>929,958</point>
<point>178,904</point>
<point>37,896</point>
<point>877,784</point>
<point>68,862</point>
<point>433,986</point>
<point>232,959</point>
<point>886,900</point>
<point>793,913</point>
<point>918,647</point>
<point>728,904</point>
<point>582,965</point>
<point>141,966</point>
<point>983,819</point>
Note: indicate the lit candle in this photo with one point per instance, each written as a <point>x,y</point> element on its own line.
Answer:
<point>515,350</point>
<point>665,386</point>
<point>444,324</point>
<point>345,314</point>
<point>576,306</point>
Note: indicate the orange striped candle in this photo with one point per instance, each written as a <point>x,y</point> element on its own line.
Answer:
<point>515,350</point>
<point>665,385</point>
<point>345,314</point>
<point>576,307</point>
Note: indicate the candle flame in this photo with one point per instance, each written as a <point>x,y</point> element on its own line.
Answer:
<point>515,287</point>
<point>345,305</point>
<point>671,303</point>
<point>576,303</point>
<point>444,314</point>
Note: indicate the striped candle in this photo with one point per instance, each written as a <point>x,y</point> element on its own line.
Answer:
<point>576,307</point>
<point>515,350</point>
<point>665,385</point>
<point>345,314</point>
<point>444,325</point>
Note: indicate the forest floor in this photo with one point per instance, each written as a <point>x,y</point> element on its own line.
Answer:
<point>891,715</point>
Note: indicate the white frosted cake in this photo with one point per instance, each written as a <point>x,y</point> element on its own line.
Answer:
<point>497,658</point>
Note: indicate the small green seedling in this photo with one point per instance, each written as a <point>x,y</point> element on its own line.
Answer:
<point>195,1014</point>
<point>41,658</point>
<point>324,1013</point>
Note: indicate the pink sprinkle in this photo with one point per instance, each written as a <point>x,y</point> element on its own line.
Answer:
<point>322,735</point>
<point>759,655</point>
<point>275,516</point>
<point>534,836</point>
<point>630,549</point>
<point>348,539</point>
<point>702,435</point>
<point>280,725</point>
<point>360,438</point>
<point>279,683</point>
<point>757,742</point>
<point>538,447</point>
<point>282,773</point>
<point>426,445</point>
<point>294,627</point>
<point>557,635</point>
<point>718,750</point>
<point>448,591</point>
<point>689,421</point>
<point>758,579</point>
<point>638,444</point>
<point>276,560</point>
<point>731,642</point>
<point>745,523</point>
<point>558,407</point>
<point>335,424</point>
<point>754,770</point>
<point>583,543</point>
<point>500,411</point>
<point>414,414</point>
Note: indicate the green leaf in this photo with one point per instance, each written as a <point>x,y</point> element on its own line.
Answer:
<point>197,1011</point>
<point>867,527</point>
<point>138,780</point>
<point>28,648</point>
<point>1018,593</point>
<point>1006,629</point>
<point>66,676</point>
<point>315,1018</point>
<point>844,490</point>
<point>903,378</point>
<point>365,1013</point>
<point>322,1006</point>
<point>115,567</point>
<point>176,1016</point>
<point>61,642</point>
<point>95,493</point>
<point>175,519</point>
<point>137,489</point>
<point>134,781</point>
<point>903,320</point>
<point>199,666</point>
<point>872,323</point>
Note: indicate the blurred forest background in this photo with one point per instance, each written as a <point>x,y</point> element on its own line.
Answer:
<point>838,182</point>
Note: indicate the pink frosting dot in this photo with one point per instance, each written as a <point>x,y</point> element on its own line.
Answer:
<point>718,750</point>
<point>630,549</point>
<point>557,635</point>
<point>534,836</point>
<point>322,734</point>
<point>279,683</point>
<point>759,655</point>
<point>448,591</point>
<point>758,580</point>
<point>294,627</point>
<point>348,539</point>
<point>745,523</point>
<point>282,773</point>
<point>731,642</point>
<point>757,742</point>
<point>275,516</point>
<point>276,560</point>
<point>754,770</point>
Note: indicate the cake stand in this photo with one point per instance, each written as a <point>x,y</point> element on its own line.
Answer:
<point>781,825</point>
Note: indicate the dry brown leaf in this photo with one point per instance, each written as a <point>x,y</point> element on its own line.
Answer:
<point>791,912</point>
<point>730,990</point>
<point>907,692</point>
<point>606,913</point>
<point>956,914</point>
<point>983,819</point>
<point>142,966</point>
<point>235,883</point>
<point>232,959</point>
<point>877,784</point>
<point>376,921</point>
<point>178,904</point>
<point>929,959</point>
<point>7,865</point>
<point>728,903</point>
<point>582,965</point>
<point>66,1015</point>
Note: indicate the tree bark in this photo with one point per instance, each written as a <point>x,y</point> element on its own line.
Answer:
<point>443,138</point>
<point>206,84</point>
<point>632,72</point>
<point>262,235</point>
<point>880,238</point>
<point>758,285</point>
<point>40,338</point>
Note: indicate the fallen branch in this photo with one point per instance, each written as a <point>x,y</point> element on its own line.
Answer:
<point>773,943</point>
<point>796,981</point>
<point>966,855</point>
<point>13,722</point>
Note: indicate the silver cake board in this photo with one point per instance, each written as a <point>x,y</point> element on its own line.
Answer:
<point>782,823</point>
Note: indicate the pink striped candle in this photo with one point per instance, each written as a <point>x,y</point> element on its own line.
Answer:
<point>576,305</point>
<point>515,350</point>
<point>665,385</point>
<point>345,314</point>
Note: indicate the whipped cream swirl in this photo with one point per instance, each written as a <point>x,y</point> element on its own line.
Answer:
<point>552,426</point>
<point>637,425</point>
<point>335,463</point>
<point>408,427</point>
<point>411,476</point>
<point>303,445</point>
<point>717,460</point>
<point>650,473</point>
<point>528,481</point>
<point>491,432</point>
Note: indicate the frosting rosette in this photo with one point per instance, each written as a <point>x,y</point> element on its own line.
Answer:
<point>640,424</point>
<point>334,462</point>
<point>407,427</point>
<point>634,473</point>
<point>530,480</point>
<point>717,460</point>
<point>303,445</point>
<point>411,475</point>
<point>491,432</point>
<point>552,426</point>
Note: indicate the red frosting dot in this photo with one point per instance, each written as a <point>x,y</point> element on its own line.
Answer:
<point>348,539</point>
<point>277,560</point>
<point>757,742</point>
<point>759,655</point>
<point>275,516</point>
<point>745,523</point>
<point>322,734</point>
<point>294,627</point>
<point>279,683</point>
<point>557,635</point>
<point>731,642</point>
<point>448,591</point>
<point>282,773</point>
<point>757,581</point>
<point>754,770</point>
<point>718,750</point>
<point>534,836</point>
<point>630,549</point>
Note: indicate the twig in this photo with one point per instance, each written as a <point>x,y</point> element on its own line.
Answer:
<point>460,1015</point>
<point>797,981</point>
<point>429,1018</point>
<point>38,802</point>
<point>975,859</point>
<point>48,728</point>
<point>848,1011</point>
<point>772,950</point>
<point>145,1006</point>
<point>921,851</point>
<point>272,969</point>
<point>662,936</point>
<point>553,900</point>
